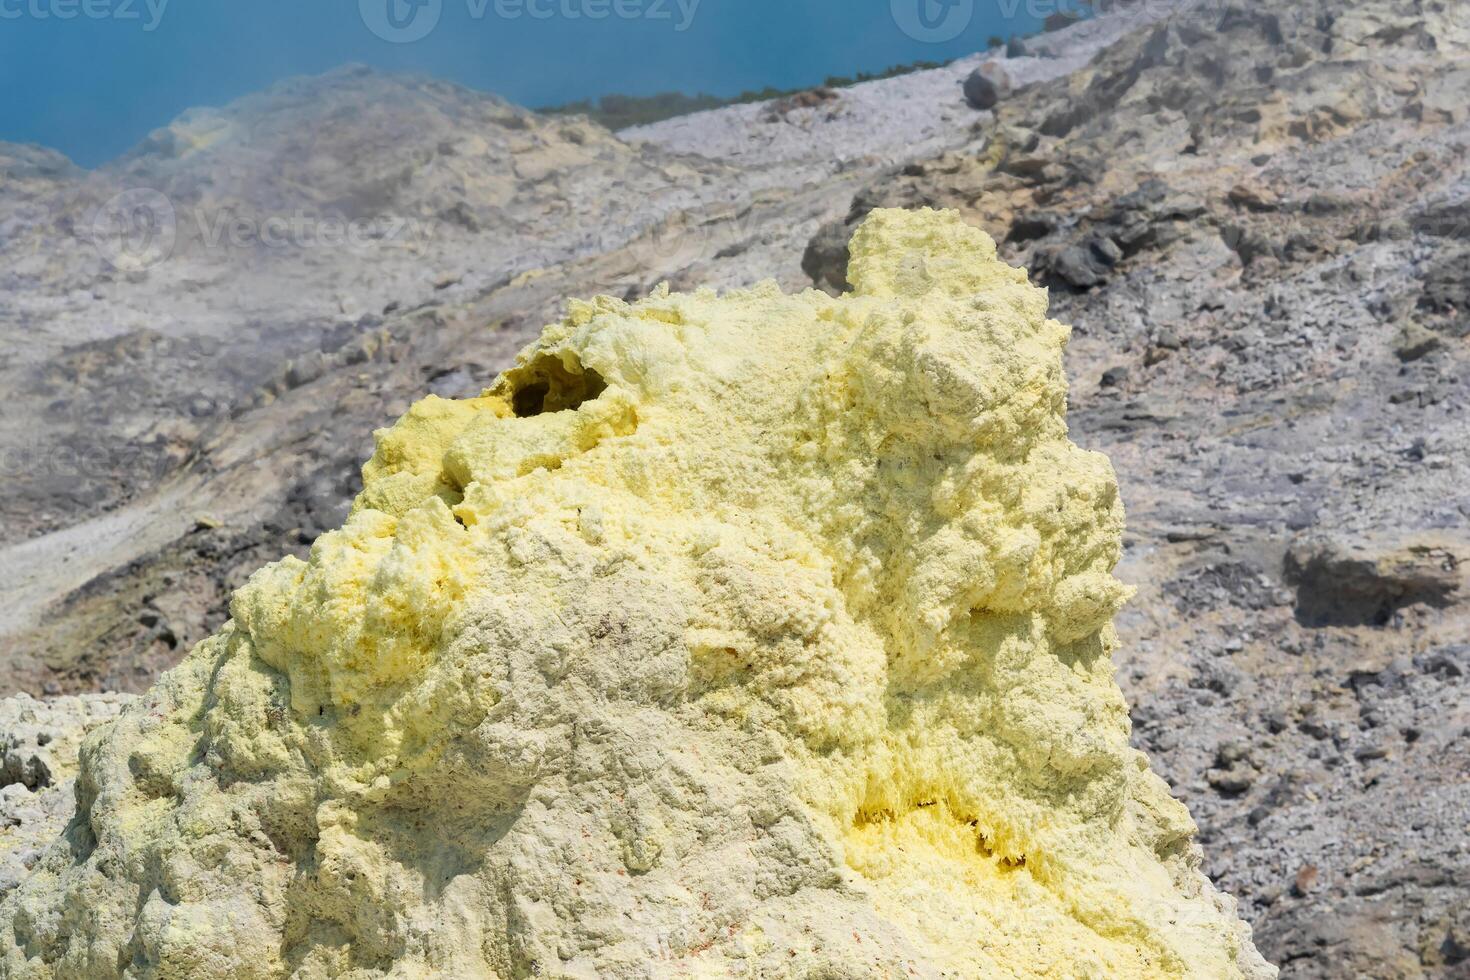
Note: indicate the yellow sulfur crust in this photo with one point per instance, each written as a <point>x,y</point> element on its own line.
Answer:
<point>752,635</point>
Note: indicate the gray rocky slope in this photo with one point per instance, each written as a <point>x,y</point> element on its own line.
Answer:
<point>1256,215</point>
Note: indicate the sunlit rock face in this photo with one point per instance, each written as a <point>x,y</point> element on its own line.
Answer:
<point>745,635</point>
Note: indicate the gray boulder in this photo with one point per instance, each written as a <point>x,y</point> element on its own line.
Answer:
<point>1350,582</point>
<point>987,85</point>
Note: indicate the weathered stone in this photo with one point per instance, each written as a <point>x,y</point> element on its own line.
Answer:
<point>987,85</point>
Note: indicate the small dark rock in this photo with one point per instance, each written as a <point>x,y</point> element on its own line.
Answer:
<point>1366,753</point>
<point>1256,199</point>
<point>1415,342</point>
<point>1305,880</point>
<point>1357,584</point>
<point>1079,267</point>
<point>305,369</point>
<point>1229,753</point>
<point>1030,227</point>
<point>1231,782</point>
<point>1314,728</point>
<point>1323,204</point>
<point>1106,250</point>
<point>987,85</point>
<point>826,257</point>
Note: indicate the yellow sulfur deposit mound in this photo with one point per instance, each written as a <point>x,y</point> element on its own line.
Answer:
<point>750,635</point>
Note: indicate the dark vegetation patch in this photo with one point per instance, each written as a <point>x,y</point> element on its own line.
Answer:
<point>617,111</point>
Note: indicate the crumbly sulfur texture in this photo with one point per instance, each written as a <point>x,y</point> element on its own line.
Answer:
<point>750,635</point>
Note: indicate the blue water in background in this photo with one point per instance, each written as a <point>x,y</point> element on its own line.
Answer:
<point>92,77</point>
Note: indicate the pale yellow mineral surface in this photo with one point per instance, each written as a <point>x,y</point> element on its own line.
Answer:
<point>750,635</point>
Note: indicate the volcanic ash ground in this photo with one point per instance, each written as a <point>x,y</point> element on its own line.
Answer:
<point>749,635</point>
